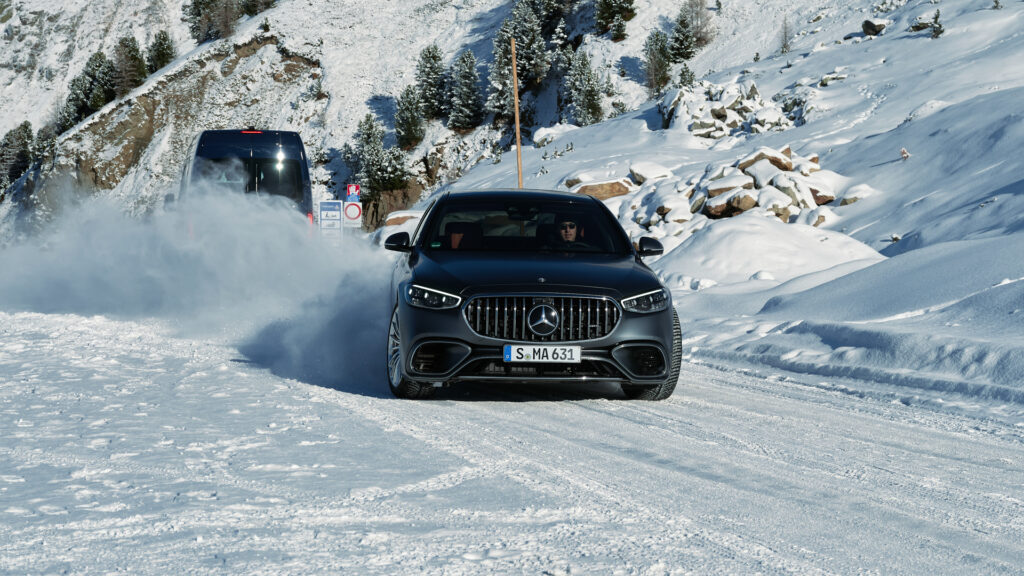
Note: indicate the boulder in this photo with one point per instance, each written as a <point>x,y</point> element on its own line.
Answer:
<point>732,119</point>
<point>731,203</point>
<point>645,171</point>
<point>727,183</point>
<point>822,194</point>
<point>604,190</point>
<point>817,217</point>
<point>762,172</point>
<point>774,156</point>
<point>697,202</point>
<point>742,201</point>
<point>873,26</point>
<point>921,23</point>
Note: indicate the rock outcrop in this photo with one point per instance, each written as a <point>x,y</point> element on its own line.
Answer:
<point>715,111</point>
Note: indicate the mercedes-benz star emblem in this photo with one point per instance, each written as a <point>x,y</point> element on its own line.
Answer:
<point>543,320</point>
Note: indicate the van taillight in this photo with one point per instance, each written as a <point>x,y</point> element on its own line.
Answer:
<point>252,132</point>
<point>310,216</point>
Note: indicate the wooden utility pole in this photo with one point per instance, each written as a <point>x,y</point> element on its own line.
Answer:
<point>515,97</point>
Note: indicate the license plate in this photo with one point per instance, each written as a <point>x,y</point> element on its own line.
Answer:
<point>528,353</point>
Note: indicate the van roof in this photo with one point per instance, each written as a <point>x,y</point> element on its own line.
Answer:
<point>250,144</point>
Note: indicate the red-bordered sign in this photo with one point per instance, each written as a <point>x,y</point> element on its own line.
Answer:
<point>353,214</point>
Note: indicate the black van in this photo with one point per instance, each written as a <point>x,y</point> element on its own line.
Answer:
<point>254,161</point>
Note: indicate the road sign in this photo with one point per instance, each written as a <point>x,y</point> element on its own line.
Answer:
<point>353,215</point>
<point>352,193</point>
<point>330,215</point>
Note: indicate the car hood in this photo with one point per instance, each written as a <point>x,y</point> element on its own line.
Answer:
<point>468,273</point>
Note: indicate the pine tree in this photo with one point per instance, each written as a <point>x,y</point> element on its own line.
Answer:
<point>385,169</point>
<point>607,10</point>
<point>465,108</point>
<point>409,118</point>
<point>618,30</point>
<point>937,28</point>
<point>682,44</point>
<point>129,64</point>
<point>561,51</point>
<point>499,98</point>
<point>372,165</point>
<point>161,52</point>
<point>532,59</point>
<point>212,19</point>
<point>604,15</point>
<point>17,147</point>
<point>656,62</point>
<point>254,7</point>
<point>531,50</point>
<point>583,91</point>
<point>369,133</point>
<point>430,81</point>
<point>45,143</point>
<point>88,92</point>
<point>686,77</point>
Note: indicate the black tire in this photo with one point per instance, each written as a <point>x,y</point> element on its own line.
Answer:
<point>666,388</point>
<point>401,386</point>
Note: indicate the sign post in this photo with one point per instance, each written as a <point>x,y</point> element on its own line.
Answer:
<point>515,97</point>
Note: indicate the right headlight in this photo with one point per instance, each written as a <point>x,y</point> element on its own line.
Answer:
<point>647,302</point>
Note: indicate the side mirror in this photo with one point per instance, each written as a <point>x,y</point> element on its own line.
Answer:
<point>399,242</point>
<point>650,247</point>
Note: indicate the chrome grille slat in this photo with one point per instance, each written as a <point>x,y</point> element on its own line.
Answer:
<point>504,317</point>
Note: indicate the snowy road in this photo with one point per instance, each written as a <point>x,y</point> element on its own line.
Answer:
<point>126,448</point>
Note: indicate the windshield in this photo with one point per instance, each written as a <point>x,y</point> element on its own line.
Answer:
<point>259,175</point>
<point>511,225</point>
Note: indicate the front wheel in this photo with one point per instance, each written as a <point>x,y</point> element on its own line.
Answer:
<point>665,389</point>
<point>400,386</point>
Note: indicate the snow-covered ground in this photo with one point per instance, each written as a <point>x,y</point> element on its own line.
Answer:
<point>204,389</point>
<point>223,409</point>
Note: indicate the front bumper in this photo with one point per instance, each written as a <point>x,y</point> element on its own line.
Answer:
<point>440,347</point>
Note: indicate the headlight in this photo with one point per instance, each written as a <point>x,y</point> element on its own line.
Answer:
<point>426,298</point>
<point>646,303</point>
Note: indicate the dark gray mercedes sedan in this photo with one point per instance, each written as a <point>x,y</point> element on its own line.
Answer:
<point>528,286</point>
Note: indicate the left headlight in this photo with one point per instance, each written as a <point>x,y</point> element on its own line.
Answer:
<point>428,298</point>
<point>647,302</point>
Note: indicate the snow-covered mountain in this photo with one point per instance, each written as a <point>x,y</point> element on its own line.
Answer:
<point>207,391</point>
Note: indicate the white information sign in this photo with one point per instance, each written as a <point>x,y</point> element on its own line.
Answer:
<point>330,216</point>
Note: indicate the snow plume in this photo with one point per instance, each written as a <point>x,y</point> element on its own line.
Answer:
<point>214,262</point>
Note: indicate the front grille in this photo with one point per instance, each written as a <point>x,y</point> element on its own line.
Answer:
<point>579,317</point>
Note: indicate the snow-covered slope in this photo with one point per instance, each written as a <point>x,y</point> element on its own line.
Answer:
<point>954,103</point>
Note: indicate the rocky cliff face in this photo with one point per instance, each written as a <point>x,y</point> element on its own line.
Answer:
<point>44,44</point>
<point>134,148</point>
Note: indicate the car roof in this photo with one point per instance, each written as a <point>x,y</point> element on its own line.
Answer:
<point>536,195</point>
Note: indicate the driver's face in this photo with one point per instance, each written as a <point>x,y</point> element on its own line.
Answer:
<point>568,231</point>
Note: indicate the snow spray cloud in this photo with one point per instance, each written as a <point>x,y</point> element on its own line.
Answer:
<point>216,261</point>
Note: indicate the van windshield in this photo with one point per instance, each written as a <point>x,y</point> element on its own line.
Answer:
<point>251,175</point>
